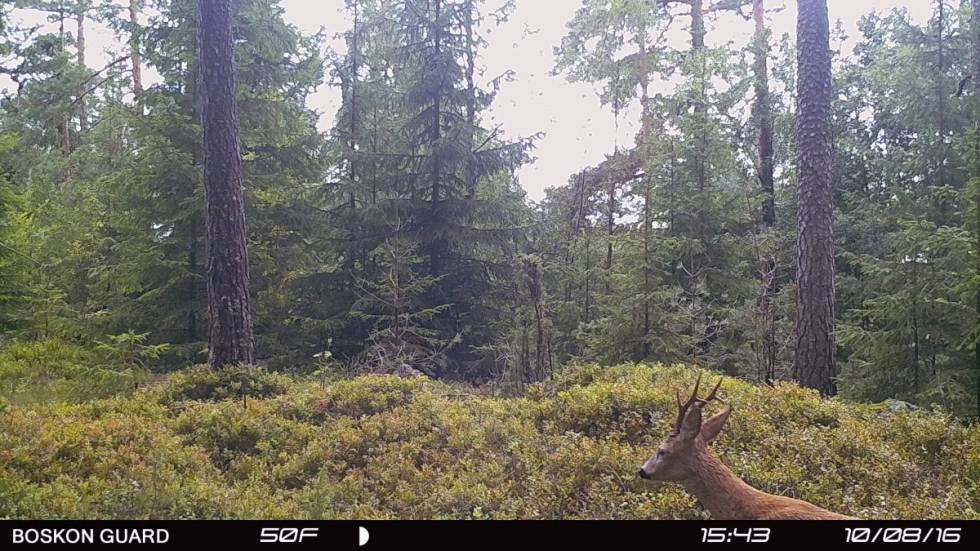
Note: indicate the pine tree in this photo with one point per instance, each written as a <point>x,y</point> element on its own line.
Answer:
<point>230,339</point>
<point>815,347</point>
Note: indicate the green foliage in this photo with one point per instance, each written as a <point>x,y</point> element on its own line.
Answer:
<point>234,382</point>
<point>523,354</point>
<point>419,169</point>
<point>386,447</point>
<point>11,271</point>
<point>395,305</point>
<point>368,395</point>
<point>110,204</point>
<point>907,308</point>
<point>56,370</point>
<point>657,253</point>
<point>402,241</point>
<point>130,348</point>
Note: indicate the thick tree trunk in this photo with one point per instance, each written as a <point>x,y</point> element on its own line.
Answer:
<point>230,339</point>
<point>815,346</point>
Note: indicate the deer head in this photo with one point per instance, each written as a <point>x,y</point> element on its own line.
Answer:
<point>675,458</point>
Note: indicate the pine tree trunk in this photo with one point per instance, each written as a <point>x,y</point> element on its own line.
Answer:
<point>610,230</point>
<point>352,143</point>
<point>470,101</point>
<point>647,288</point>
<point>692,270</point>
<point>435,254</point>
<point>64,125</point>
<point>976,170</point>
<point>135,49</point>
<point>134,55</point>
<point>80,45</point>
<point>815,346</point>
<point>763,116</point>
<point>647,190</point>
<point>697,25</point>
<point>701,105</point>
<point>588,270</point>
<point>230,339</point>
<point>941,92</point>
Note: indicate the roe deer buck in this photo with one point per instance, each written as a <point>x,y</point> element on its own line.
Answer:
<point>684,457</point>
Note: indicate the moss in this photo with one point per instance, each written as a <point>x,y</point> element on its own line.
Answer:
<point>386,447</point>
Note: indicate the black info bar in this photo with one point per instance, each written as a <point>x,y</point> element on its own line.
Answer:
<point>430,535</point>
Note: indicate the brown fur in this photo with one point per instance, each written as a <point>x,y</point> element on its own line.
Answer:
<point>684,457</point>
<point>727,496</point>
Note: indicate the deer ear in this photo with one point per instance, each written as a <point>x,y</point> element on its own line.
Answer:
<point>713,426</point>
<point>691,425</point>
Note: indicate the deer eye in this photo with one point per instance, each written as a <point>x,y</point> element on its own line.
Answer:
<point>661,453</point>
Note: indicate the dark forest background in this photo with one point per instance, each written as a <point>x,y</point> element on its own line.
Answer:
<point>402,239</point>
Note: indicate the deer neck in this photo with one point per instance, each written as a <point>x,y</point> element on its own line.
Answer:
<point>720,490</point>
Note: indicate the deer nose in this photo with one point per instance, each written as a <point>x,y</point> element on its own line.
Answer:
<point>643,474</point>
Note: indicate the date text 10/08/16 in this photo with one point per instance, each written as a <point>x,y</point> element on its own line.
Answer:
<point>902,535</point>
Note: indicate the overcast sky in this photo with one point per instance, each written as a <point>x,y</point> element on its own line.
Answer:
<point>578,130</point>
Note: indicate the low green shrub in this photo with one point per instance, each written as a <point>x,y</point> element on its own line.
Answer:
<point>113,460</point>
<point>200,382</point>
<point>386,447</point>
<point>368,395</point>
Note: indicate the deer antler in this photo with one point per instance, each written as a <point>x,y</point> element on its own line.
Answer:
<point>694,400</point>
<point>682,408</point>
<point>713,396</point>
